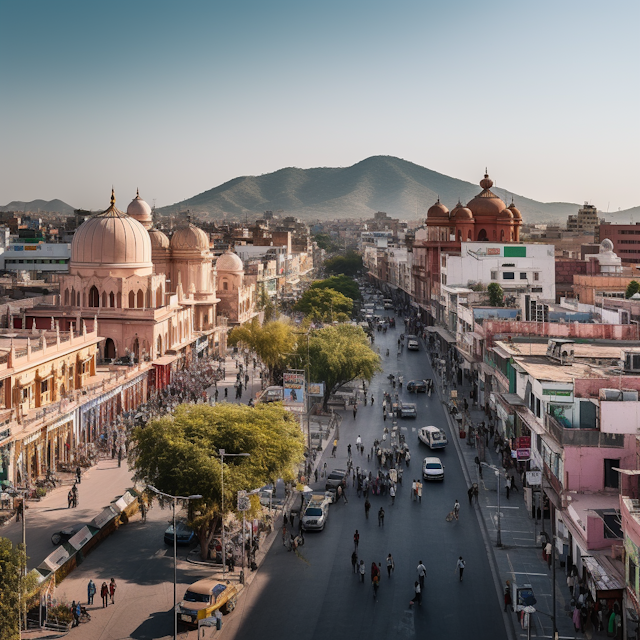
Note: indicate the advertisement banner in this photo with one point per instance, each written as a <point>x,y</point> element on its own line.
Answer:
<point>293,383</point>
<point>316,389</point>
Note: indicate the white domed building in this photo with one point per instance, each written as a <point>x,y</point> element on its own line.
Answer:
<point>237,298</point>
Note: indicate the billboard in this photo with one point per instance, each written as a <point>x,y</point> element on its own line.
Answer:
<point>293,383</point>
<point>316,389</point>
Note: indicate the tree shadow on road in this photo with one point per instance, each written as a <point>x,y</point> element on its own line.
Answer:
<point>157,625</point>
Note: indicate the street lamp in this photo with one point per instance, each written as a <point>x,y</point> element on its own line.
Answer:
<point>174,500</point>
<point>222,455</point>
<point>497,472</point>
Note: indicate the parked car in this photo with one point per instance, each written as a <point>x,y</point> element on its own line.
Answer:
<point>317,511</point>
<point>186,535</point>
<point>417,386</point>
<point>433,437</point>
<point>65,535</point>
<point>432,469</point>
<point>336,478</point>
<point>407,410</point>
<point>204,597</point>
<point>412,343</point>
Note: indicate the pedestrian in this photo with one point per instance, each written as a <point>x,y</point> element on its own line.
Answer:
<point>355,410</point>
<point>354,562</point>
<point>78,475</point>
<point>112,590</point>
<point>335,448</point>
<point>381,517</point>
<point>384,415</point>
<point>418,593</point>
<point>392,493</point>
<point>367,506</point>
<point>74,496</point>
<point>507,596</point>
<point>362,570</point>
<point>413,490</point>
<point>120,457</point>
<point>292,517</point>
<point>75,614</point>
<point>215,395</point>
<point>315,474</point>
<point>349,450</point>
<point>470,494</point>
<point>372,399</point>
<point>391,565</point>
<point>104,593</point>
<point>460,566</point>
<point>69,499</point>
<point>456,510</point>
<point>507,483</point>
<point>548,550</point>
<point>91,591</point>
<point>358,443</point>
<point>422,572</point>
<point>226,392</point>
<point>419,490</point>
<point>356,539</point>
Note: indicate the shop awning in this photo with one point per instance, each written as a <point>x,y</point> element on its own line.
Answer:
<point>603,575</point>
<point>444,334</point>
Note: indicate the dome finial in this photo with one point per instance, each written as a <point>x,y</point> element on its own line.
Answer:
<point>137,192</point>
<point>113,197</point>
<point>486,183</point>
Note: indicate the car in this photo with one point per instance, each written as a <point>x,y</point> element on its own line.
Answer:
<point>432,469</point>
<point>417,386</point>
<point>412,343</point>
<point>186,535</point>
<point>316,513</point>
<point>336,478</point>
<point>205,597</point>
<point>407,410</point>
<point>433,437</point>
<point>270,499</point>
<point>65,535</point>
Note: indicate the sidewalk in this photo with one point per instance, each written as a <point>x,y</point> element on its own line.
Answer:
<point>519,558</point>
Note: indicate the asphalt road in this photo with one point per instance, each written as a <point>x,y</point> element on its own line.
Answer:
<point>316,595</point>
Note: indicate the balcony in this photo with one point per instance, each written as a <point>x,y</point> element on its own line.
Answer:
<point>571,437</point>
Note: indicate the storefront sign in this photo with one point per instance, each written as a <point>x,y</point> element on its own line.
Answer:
<point>523,454</point>
<point>534,478</point>
<point>293,383</point>
<point>523,442</point>
<point>316,389</point>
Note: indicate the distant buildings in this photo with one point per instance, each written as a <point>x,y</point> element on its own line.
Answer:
<point>585,221</point>
<point>625,239</point>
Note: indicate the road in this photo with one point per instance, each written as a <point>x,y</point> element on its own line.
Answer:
<point>317,595</point>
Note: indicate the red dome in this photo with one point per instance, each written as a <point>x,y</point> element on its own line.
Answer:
<point>486,204</point>
<point>461,213</point>
<point>438,210</point>
<point>515,212</point>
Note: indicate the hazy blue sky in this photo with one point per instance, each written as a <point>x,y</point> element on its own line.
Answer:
<point>179,97</point>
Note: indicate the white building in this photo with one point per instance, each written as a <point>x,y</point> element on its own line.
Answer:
<point>42,257</point>
<point>518,268</point>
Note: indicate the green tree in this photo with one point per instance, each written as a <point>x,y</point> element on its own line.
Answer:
<point>265,304</point>
<point>496,295</point>
<point>632,288</point>
<point>343,284</point>
<point>326,242</point>
<point>337,355</point>
<point>272,342</point>
<point>178,454</point>
<point>324,305</point>
<point>349,264</point>
<point>14,588</point>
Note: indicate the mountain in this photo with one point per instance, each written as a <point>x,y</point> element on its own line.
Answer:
<point>49,206</point>
<point>381,183</point>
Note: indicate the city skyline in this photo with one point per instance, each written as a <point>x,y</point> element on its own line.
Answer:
<point>178,100</point>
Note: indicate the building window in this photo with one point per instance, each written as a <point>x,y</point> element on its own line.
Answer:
<point>508,275</point>
<point>536,289</point>
<point>444,278</point>
<point>633,574</point>
<point>523,275</point>
<point>611,478</point>
<point>538,414</point>
<point>494,275</point>
<point>536,275</point>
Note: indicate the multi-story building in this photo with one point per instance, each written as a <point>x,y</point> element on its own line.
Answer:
<point>625,239</point>
<point>585,221</point>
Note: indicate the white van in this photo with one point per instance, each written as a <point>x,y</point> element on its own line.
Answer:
<point>433,437</point>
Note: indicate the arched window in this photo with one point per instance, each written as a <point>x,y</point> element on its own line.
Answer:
<point>482,235</point>
<point>140,303</point>
<point>132,300</point>
<point>73,297</point>
<point>94,297</point>
<point>469,236</point>
<point>225,285</point>
<point>502,235</point>
<point>104,298</point>
<point>159,297</point>
<point>112,300</point>
<point>66,297</point>
<point>109,349</point>
<point>78,302</point>
<point>159,347</point>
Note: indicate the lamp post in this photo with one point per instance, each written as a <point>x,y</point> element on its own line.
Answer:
<point>174,500</point>
<point>497,472</point>
<point>223,453</point>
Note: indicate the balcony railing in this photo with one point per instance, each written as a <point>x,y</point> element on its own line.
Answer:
<point>574,437</point>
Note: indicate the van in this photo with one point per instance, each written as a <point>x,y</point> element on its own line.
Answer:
<point>433,437</point>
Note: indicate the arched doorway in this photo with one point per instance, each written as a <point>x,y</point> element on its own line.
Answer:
<point>132,300</point>
<point>109,349</point>
<point>482,235</point>
<point>140,299</point>
<point>94,297</point>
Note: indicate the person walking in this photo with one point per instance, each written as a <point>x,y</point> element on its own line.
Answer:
<point>362,569</point>
<point>104,593</point>
<point>78,475</point>
<point>367,506</point>
<point>422,572</point>
<point>417,598</point>
<point>507,596</point>
<point>354,562</point>
<point>75,614</point>
<point>507,483</point>
<point>112,590</point>
<point>120,456</point>
<point>74,495</point>
<point>413,490</point>
<point>391,565</point>
<point>456,510</point>
<point>381,517</point>
<point>91,591</point>
<point>419,490</point>
<point>356,540</point>
<point>334,448</point>
<point>392,493</point>
<point>69,499</point>
<point>359,444</point>
<point>292,517</point>
<point>355,410</point>
<point>460,566</point>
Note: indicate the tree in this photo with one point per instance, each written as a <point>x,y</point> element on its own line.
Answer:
<point>496,295</point>
<point>273,342</point>
<point>14,588</point>
<point>632,288</point>
<point>178,454</point>
<point>265,304</point>
<point>324,305</point>
<point>339,354</point>
<point>348,264</point>
<point>325,241</point>
<point>344,285</point>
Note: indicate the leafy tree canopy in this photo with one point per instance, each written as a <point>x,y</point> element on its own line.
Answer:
<point>12,585</point>
<point>632,288</point>
<point>324,305</point>
<point>178,454</point>
<point>339,354</point>
<point>326,242</point>
<point>272,341</point>
<point>349,264</point>
<point>343,284</point>
<point>496,295</point>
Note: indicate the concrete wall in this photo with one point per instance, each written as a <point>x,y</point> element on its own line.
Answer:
<point>619,417</point>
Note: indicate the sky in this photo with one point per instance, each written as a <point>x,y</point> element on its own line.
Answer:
<point>175,98</point>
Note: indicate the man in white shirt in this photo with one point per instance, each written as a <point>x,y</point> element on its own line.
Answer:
<point>413,490</point>
<point>422,572</point>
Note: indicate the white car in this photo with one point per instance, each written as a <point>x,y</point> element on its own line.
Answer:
<point>432,469</point>
<point>316,514</point>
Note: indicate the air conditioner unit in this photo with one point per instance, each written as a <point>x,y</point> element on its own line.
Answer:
<point>631,361</point>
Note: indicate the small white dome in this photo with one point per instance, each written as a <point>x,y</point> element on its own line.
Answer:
<point>229,261</point>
